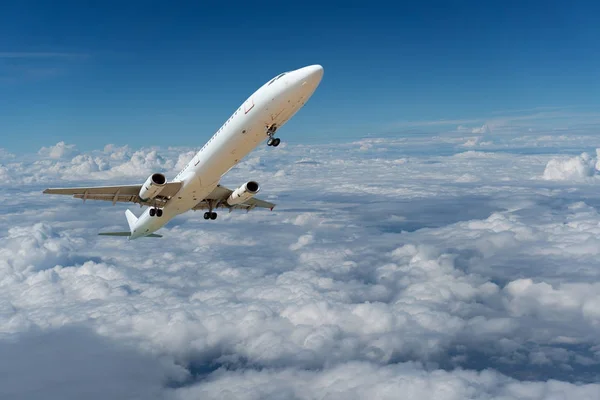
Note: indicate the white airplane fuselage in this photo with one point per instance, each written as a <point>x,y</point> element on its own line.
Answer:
<point>273,104</point>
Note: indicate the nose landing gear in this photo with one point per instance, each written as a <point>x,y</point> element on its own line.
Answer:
<point>271,129</point>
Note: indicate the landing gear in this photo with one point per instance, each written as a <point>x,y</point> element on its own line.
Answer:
<point>210,215</point>
<point>273,142</point>
<point>271,129</point>
<point>270,132</point>
<point>155,211</point>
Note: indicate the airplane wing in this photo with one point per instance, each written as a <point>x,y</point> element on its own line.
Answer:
<point>127,193</point>
<point>219,196</point>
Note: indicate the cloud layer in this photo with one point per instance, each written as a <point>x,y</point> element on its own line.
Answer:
<point>385,269</point>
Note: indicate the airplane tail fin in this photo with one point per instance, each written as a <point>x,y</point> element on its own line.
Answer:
<point>131,219</point>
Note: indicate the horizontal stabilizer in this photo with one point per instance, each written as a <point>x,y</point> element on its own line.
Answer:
<point>125,234</point>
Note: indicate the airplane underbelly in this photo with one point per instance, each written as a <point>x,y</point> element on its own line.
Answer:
<point>228,153</point>
<point>189,196</point>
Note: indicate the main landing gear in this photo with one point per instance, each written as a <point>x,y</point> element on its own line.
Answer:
<point>273,142</point>
<point>270,132</point>
<point>210,215</point>
<point>155,211</point>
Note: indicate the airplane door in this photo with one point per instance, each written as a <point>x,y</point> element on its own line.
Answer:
<point>248,105</point>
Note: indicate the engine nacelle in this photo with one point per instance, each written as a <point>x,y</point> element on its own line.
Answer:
<point>243,193</point>
<point>152,187</point>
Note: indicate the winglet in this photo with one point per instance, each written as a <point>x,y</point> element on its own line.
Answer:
<point>131,219</point>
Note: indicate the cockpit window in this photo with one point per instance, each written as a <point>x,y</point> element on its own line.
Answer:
<point>277,77</point>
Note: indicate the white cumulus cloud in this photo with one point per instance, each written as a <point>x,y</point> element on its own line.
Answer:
<point>59,150</point>
<point>576,168</point>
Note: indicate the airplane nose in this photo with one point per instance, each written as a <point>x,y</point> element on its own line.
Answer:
<point>315,72</point>
<point>312,75</point>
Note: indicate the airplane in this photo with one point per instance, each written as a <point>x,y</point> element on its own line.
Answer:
<point>197,186</point>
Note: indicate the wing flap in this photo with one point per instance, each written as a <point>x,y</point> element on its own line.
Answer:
<point>219,196</point>
<point>126,193</point>
<point>109,197</point>
<point>254,202</point>
<point>105,190</point>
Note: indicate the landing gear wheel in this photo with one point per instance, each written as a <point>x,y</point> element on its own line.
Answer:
<point>276,142</point>
<point>270,142</point>
<point>158,212</point>
<point>210,215</point>
<point>152,212</point>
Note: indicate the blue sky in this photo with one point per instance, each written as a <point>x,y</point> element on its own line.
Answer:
<point>151,73</point>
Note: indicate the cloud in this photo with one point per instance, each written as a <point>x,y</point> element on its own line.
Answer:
<point>112,164</point>
<point>576,168</point>
<point>506,125</point>
<point>5,155</point>
<point>59,150</point>
<point>142,162</point>
<point>35,247</point>
<point>574,301</point>
<point>482,129</point>
<point>367,381</point>
<point>385,268</point>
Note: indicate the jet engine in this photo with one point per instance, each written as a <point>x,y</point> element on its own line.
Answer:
<point>243,193</point>
<point>152,187</point>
